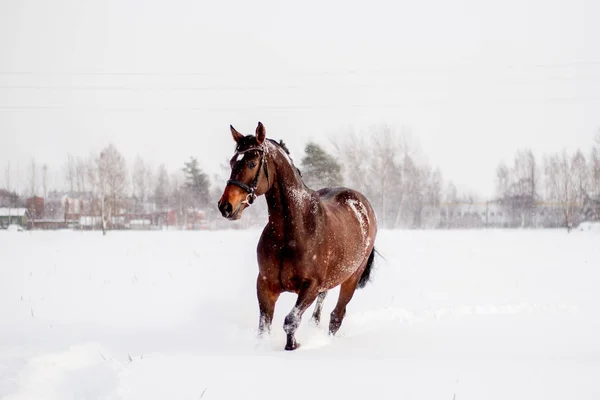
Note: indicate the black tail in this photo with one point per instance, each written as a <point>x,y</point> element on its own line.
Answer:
<point>366,275</point>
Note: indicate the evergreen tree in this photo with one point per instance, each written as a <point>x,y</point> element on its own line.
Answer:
<point>320,169</point>
<point>196,183</point>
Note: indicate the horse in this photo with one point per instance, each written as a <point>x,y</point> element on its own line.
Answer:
<point>313,241</point>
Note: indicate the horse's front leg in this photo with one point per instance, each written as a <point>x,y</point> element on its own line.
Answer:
<point>307,295</point>
<point>267,297</point>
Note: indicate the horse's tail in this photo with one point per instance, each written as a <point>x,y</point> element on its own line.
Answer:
<point>366,275</point>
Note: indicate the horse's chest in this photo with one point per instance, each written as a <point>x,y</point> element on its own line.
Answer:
<point>289,278</point>
<point>297,270</point>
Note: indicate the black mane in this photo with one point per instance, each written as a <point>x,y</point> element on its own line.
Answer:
<point>280,144</point>
<point>283,146</point>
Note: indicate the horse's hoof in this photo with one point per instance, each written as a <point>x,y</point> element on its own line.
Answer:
<point>291,343</point>
<point>292,347</point>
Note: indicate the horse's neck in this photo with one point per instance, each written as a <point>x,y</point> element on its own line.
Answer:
<point>289,202</point>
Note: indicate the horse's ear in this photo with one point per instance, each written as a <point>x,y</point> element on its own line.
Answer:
<point>260,133</point>
<point>236,135</point>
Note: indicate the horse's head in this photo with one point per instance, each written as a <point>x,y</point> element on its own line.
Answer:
<point>249,173</point>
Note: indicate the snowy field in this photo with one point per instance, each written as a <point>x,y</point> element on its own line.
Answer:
<point>449,315</point>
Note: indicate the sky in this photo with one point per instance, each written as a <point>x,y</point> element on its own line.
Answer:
<point>473,81</point>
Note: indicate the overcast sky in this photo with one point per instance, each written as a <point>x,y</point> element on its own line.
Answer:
<point>473,80</point>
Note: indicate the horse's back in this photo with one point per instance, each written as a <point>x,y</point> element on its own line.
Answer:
<point>342,195</point>
<point>345,203</point>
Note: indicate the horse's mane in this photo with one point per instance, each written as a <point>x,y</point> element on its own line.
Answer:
<point>284,147</point>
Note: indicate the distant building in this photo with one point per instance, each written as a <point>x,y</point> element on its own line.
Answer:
<point>35,206</point>
<point>12,216</point>
<point>466,215</point>
<point>500,213</point>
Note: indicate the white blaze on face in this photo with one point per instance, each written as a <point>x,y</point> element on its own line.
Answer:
<point>240,157</point>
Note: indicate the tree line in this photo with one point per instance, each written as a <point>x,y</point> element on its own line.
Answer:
<point>109,188</point>
<point>383,162</point>
<point>567,182</point>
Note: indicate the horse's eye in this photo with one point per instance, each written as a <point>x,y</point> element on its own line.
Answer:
<point>251,164</point>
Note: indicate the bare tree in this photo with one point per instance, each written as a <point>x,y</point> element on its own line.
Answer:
<point>7,176</point>
<point>149,178</point>
<point>594,173</point>
<point>33,183</point>
<point>112,181</point>
<point>409,183</point>
<point>518,188</point>
<point>385,151</point>
<point>80,175</point>
<point>451,199</point>
<point>594,168</point>
<point>434,189</point>
<point>7,182</point>
<point>45,180</point>
<point>581,177</point>
<point>70,173</point>
<point>177,197</point>
<point>502,180</point>
<point>412,184</point>
<point>375,162</point>
<point>562,186</point>
<point>162,189</point>
<point>387,165</point>
<point>524,180</point>
<point>353,152</point>
<point>139,180</point>
<point>91,174</point>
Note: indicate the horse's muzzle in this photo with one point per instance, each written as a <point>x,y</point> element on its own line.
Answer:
<point>226,208</point>
<point>228,212</point>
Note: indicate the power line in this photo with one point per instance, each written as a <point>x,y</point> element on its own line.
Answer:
<point>156,88</point>
<point>277,87</point>
<point>573,99</point>
<point>568,64</point>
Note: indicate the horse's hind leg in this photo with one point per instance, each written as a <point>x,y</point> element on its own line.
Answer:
<point>318,307</point>
<point>347,290</point>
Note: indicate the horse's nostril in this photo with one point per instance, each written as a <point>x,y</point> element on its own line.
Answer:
<point>225,208</point>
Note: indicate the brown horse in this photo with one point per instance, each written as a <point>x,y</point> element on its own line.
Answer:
<point>313,240</point>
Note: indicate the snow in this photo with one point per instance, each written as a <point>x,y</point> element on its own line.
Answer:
<point>589,226</point>
<point>487,314</point>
